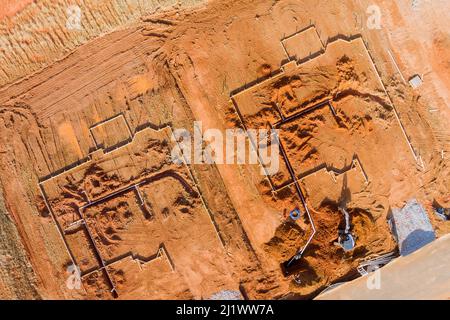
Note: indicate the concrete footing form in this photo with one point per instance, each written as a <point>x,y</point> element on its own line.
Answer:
<point>103,264</point>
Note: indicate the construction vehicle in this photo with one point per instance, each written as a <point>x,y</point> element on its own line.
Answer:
<point>345,239</point>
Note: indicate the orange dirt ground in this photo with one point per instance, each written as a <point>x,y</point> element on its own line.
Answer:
<point>87,117</point>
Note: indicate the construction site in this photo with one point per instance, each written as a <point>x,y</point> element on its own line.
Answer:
<point>93,205</point>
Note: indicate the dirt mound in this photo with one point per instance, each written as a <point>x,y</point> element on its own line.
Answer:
<point>285,242</point>
<point>324,259</point>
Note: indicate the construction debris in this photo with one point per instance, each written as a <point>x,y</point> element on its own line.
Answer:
<point>443,214</point>
<point>227,295</point>
<point>411,227</point>
<point>295,214</point>
<point>375,263</point>
<point>415,81</point>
